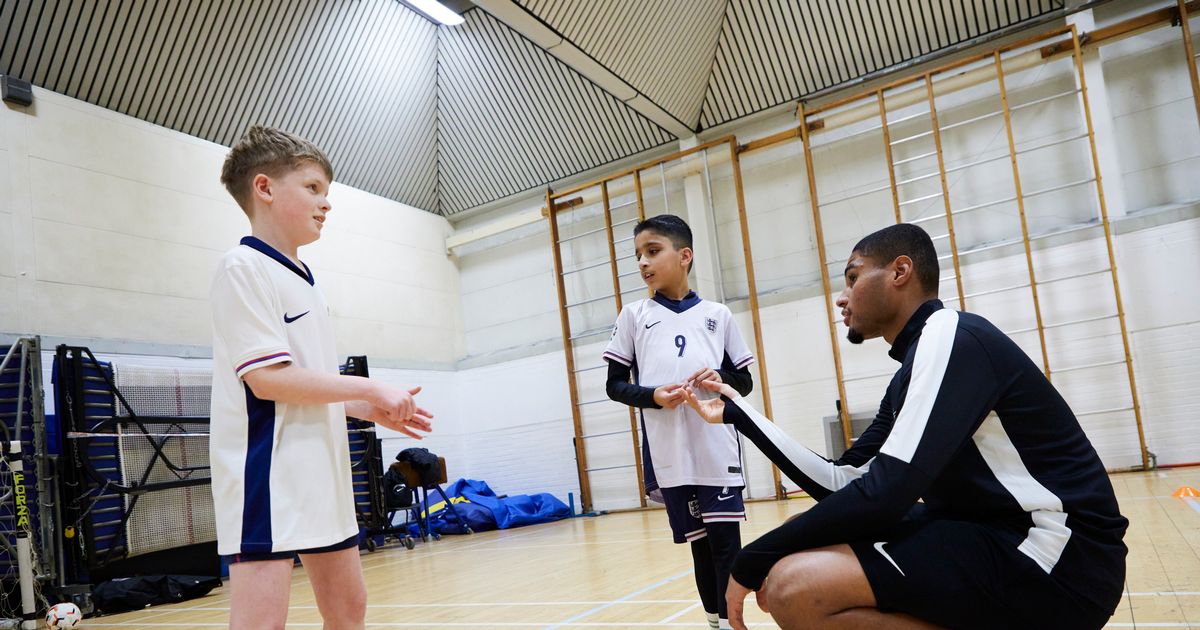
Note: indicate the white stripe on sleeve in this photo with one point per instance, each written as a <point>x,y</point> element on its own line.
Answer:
<point>817,468</point>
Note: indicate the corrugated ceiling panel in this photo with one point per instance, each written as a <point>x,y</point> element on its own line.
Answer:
<point>663,49</point>
<point>771,51</point>
<point>512,117</point>
<point>449,118</point>
<point>357,78</point>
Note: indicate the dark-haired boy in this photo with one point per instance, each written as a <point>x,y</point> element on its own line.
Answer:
<point>667,341</point>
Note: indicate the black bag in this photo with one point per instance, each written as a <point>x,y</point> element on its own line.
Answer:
<point>135,593</point>
<point>424,462</point>
<point>397,493</point>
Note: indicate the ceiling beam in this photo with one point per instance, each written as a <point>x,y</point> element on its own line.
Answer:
<point>537,31</point>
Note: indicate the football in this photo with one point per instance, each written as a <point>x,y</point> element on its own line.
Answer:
<point>65,615</point>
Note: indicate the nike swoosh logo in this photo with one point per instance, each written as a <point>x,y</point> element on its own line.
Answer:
<point>879,547</point>
<point>649,326</point>
<point>724,498</point>
<point>288,320</point>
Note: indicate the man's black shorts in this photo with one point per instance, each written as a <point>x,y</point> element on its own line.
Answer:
<point>960,574</point>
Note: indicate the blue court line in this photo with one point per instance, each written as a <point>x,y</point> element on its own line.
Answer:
<point>616,601</point>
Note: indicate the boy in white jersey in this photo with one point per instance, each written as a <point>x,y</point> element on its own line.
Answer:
<point>278,448</point>
<point>665,342</point>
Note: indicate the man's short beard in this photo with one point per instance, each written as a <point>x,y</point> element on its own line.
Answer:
<point>853,336</point>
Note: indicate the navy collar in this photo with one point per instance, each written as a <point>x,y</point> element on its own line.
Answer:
<point>677,306</point>
<point>256,243</point>
<point>913,328</point>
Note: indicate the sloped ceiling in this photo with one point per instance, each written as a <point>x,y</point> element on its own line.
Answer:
<point>357,78</point>
<point>450,118</point>
<point>663,49</point>
<point>771,52</point>
<point>512,117</point>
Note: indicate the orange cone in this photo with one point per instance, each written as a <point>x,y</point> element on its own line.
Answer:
<point>1185,491</point>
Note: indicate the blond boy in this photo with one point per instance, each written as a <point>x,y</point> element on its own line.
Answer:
<point>280,460</point>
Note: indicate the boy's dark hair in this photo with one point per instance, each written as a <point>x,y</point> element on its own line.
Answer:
<point>271,152</point>
<point>669,226</point>
<point>903,239</point>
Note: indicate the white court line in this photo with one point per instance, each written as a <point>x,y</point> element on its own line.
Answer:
<point>584,543</point>
<point>152,614</point>
<point>1144,624</point>
<point>1192,502</point>
<point>1161,497</point>
<point>571,621</point>
<point>679,614</point>
<point>481,624</point>
<point>401,558</point>
<point>464,548</point>
<point>666,621</point>
<point>468,604</point>
<point>594,602</point>
<point>472,545</point>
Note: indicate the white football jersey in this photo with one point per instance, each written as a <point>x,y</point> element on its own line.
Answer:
<point>280,473</point>
<point>666,342</point>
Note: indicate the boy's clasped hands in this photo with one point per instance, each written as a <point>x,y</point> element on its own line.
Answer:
<point>695,392</point>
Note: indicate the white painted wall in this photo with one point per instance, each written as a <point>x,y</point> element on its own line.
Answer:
<point>506,423</point>
<point>111,228</point>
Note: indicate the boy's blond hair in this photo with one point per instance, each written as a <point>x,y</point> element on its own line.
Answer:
<point>270,151</point>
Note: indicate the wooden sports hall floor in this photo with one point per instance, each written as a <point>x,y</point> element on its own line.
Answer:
<point>621,571</point>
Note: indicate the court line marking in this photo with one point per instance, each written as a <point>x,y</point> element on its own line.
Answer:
<point>681,613</point>
<point>401,558</point>
<point>487,624</point>
<point>646,589</point>
<point>1151,624</point>
<point>465,605</point>
<point>1192,502</point>
<point>623,602</point>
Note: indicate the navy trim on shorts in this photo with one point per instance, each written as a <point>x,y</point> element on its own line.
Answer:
<point>691,508</point>
<point>349,543</point>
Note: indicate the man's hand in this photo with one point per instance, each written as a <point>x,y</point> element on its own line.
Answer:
<point>735,601</point>
<point>669,396</point>
<point>712,410</point>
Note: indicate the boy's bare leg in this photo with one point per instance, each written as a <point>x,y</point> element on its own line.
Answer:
<point>826,588</point>
<point>258,594</point>
<point>337,581</point>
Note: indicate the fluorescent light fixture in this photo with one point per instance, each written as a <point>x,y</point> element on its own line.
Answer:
<point>436,11</point>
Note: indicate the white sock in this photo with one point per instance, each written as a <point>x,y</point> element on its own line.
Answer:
<point>723,624</point>
<point>714,621</point>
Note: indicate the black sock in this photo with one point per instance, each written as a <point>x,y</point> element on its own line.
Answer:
<point>706,577</point>
<point>724,541</point>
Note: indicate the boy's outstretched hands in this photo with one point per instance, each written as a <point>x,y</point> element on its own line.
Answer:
<point>712,410</point>
<point>394,408</point>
